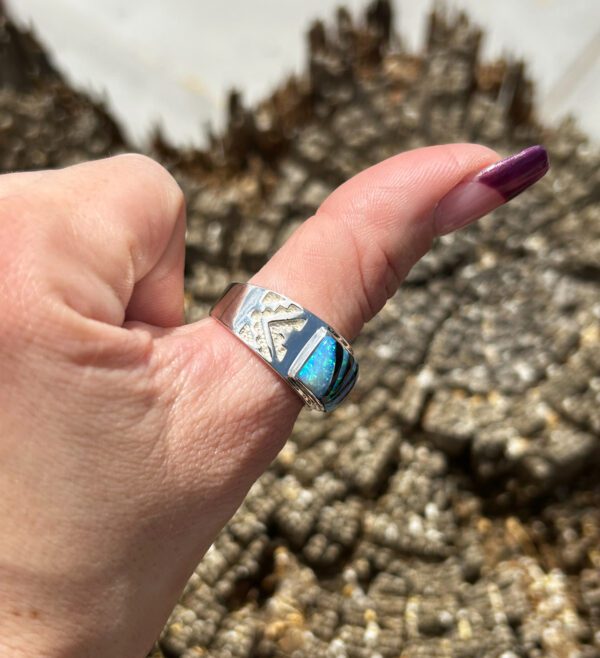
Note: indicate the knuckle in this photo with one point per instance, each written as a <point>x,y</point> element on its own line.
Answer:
<point>377,275</point>
<point>363,253</point>
<point>16,235</point>
<point>149,171</point>
<point>139,162</point>
<point>18,283</point>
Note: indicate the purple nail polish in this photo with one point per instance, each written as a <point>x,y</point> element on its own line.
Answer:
<point>489,188</point>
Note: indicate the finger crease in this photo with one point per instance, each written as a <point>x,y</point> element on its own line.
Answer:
<point>390,267</point>
<point>366,300</point>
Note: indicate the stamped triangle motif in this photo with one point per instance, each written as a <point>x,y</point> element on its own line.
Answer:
<point>270,327</point>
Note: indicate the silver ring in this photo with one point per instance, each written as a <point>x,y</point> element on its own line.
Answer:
<point>309,354</point>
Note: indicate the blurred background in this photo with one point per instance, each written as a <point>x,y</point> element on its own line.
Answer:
<point>452,506</point>
<point>175,66</point>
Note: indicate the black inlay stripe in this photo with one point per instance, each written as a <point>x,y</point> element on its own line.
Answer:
<point>348,379</point>
<point>351,377</point>
<point>341,393</point>
<point>342,377</point>
<point>339,356</point>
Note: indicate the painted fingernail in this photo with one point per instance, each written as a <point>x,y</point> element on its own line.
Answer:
<point>489,188</point>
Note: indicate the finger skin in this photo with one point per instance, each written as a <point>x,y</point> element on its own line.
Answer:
<point>342,264</point>
<point>82,420</point>
<point>127,448</point>
<point>232,413</point>
<point>157,298</point>
<point>106,237</point>
<point>351,256</point>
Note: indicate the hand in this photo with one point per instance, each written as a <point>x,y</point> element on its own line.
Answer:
<point>128,440</point>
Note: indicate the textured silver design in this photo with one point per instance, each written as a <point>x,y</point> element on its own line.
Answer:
<point>268,327</point>
<point>284,335</point>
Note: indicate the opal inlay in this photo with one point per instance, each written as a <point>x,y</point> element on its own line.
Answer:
<point>317,371</point>
<point>329,372</point>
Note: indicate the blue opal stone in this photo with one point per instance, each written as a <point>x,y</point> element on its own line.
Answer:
<point>317,371</point>
<point>329,372</point>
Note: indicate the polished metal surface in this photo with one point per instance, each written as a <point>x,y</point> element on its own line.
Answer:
<point>287,337</point>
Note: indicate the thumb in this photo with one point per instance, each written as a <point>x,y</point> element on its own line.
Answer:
<point>347,260</point>
<point>342,264</point>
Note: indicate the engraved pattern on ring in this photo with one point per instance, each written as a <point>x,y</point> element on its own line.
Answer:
<point>304,350</point>
<point>268,327</point>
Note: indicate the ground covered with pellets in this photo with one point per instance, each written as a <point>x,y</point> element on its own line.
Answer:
<point>451,507</point>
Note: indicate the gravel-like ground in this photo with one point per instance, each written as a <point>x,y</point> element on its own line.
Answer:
<point>451,508</point>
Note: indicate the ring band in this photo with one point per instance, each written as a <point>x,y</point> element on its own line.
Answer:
<point>309,354</point>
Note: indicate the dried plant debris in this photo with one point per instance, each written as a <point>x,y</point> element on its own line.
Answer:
<point>472,527</point>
